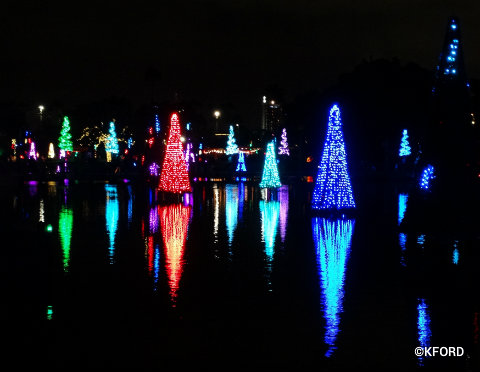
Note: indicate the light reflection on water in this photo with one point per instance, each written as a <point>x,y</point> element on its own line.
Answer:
<point>423,325</point>
<point>165,228</point>
<point>231,211</point>
<point>111,218</point>
<point>65,226</point>
<point>332,240</point>
<point>269,213</point>
<point>174,220</point>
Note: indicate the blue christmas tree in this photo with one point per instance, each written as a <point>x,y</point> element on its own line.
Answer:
<point>333,189</point>
<point>157,124</point>
<point>241,163</point>
<point>232,147</point>
<point>112,142</point>
<point>405,149</point>
<point>270,177</point>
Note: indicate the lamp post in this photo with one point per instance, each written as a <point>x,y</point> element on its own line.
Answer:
<point>216,113</point>
<point>41,108</point>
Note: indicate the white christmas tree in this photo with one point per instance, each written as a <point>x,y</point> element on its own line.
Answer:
<point>283,148</point>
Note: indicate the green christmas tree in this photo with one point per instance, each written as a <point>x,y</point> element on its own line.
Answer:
<point>65,139</point>
<point>232,147</point>
<point>111,145</point>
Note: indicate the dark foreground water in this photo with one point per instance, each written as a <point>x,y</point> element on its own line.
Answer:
<point>97,275</point>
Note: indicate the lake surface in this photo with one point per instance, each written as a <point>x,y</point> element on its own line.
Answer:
<point>98,274</point>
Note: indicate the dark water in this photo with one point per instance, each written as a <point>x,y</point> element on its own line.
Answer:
<point>97,275</point>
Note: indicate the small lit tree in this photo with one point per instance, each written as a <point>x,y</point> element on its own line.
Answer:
<point>405,149</point>
<point>283,148</point>
<point>111,146</point>
<point>232,147</point>
<point>65,139</point>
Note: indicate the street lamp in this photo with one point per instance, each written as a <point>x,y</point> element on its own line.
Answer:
<point>41,108</point>
<point>216,113</point>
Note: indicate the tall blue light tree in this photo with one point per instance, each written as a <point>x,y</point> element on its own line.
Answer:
<point>333,189</point>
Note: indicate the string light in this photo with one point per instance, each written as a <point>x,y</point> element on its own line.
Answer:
<point>174,176</point>
<point>270,177</point>
<point>333,189</point>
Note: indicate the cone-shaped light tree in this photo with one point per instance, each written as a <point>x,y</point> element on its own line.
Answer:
<point>65,139</point>
<point>174,176</point>
<point>283,148</point>
<point>333,189</point>
<point>405,149</point>
<point>232,147</point>
<point>112,142</point>
<point>270,177</point>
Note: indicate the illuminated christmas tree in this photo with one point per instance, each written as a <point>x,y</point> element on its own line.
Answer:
<point>112,142</point>
<point>405,149</point>
<point>157,124</point>
<point>232,147</point>
<point>270,177</point>
<point>333,189</point>
<point>241,163</point>
<point>33,153</point>
<point>174,176</point>
<point>283,148</point>
<point>65,139</point>
<point>51,151</point>
<point>427,175</point>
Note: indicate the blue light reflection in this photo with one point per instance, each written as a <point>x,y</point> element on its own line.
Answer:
<point>332,242</point>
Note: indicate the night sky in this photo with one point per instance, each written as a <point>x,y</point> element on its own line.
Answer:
<point>214,51</point>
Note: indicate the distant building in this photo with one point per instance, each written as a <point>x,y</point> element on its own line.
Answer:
<point>273,117</point>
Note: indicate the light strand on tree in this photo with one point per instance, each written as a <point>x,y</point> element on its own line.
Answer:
<point>332,188</point>
<point>270,177</point>
<point>174,176</point>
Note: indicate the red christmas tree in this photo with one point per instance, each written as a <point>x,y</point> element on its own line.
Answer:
<point>174,176</point>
